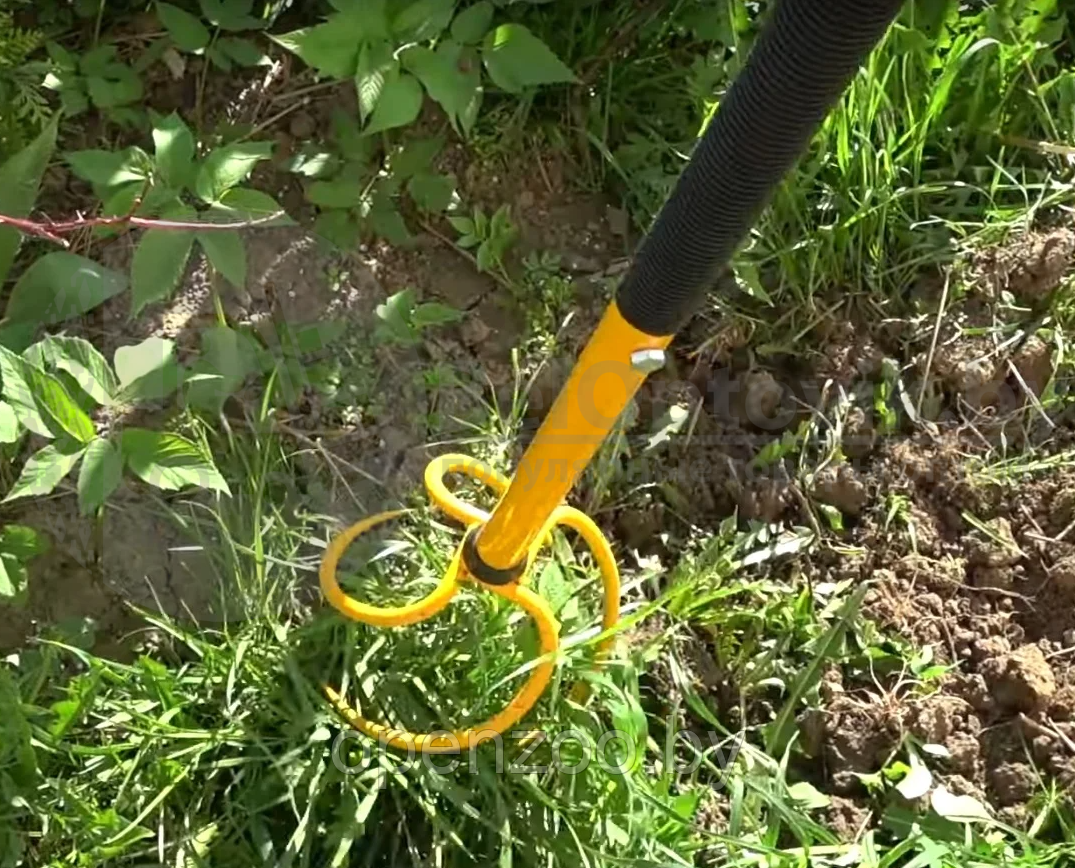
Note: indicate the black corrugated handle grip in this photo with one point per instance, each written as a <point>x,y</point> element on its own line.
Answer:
<point>803,60</point>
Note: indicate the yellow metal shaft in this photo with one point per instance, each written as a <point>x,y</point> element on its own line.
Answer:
<point>600,386</point>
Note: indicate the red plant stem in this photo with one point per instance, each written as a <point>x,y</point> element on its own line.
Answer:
<point>54,231</point>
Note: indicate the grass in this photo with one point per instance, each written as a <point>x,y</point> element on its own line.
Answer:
<point>213,745</point>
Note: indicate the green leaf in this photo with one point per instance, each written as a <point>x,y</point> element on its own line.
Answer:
<point>108,170</point>
<point>227,253</point>
<point>399,104</point>
<point>415,156</point>
<point>243,51</point>
<point>472,23</point>
<point>339,228</point>
<point>516,59</point>
<point>188,33</point>
<point>231,14</point>
<point>118,85</point>
<point>87,367</point>
<point>452,76</point>
<point>395,312</point>
<point>101,473</point>
<point>218,58</point>
<point>354,147</point>
<point>13,580</point>
<point>9,423</point>
<point>335,194</point>
<point>375,66</point>
<point>43,471</point>
<point>41,401</point>
<point>384,219</point>
<point>21,542</point>
<point>168,461</point>
<point>174,145</point>
<point>433,313</point>
<point>18,545</point>
<point>227,358</point>
<point>240,204</point>
<point>315,337</point>
<point>332,48</point>
<point>463,225</point>
<point>20,176</point>
<point>147,371</point>
<point>423,19</point>
<point>61,286</point>
<point>158,265</point>
<point>228,167</point>
<point>432,192</point>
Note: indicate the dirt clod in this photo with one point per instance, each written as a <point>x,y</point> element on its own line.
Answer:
<point>1021,680</point>
<point>841,487</point>
<point>1013,783</point>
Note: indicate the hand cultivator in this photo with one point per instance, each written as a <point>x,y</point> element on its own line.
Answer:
<point>800,65</point>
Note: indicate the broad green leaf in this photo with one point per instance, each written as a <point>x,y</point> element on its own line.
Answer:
<point>354,147</point>
<point>385,220</point>
<point>463,225</point>
<point>108,170</point>
<point>240,204</point>
<point>335,194</point>
<point>18,545</point>
<point>61,286</point>
<point>433,313</point>
<point>437,73</point>
<point>218,58</point>
<point>100,475</point>
<point>228,167</point>
<point>242,51</point>
<point>472,23</point>
<point>452,76</point>
<point>399,104</point>
<point>188,33</point>
<point>20,176</point>
<point>227,253</point>
<point>168,461</point>
<point>231,14</point>
<point>332,48</point>
<point>9,423</point>
<point>315,337</point>
<point>118,85</point>
<point>12,579</point>
<point>147,371</point>
<point>21,542</point>
<point>174,145</point>
<point>227,358</point>
<point>420,20</point>
<point>338,227</point>
<point>87,367</point>
<point>97,61</point>
<point>158,265</point>
<point>432,192</point>
<point>516,59</point>
<point>44,470</point>
<point>17,392</point>
<point>375,66</point>
<point>414,157</point>
<point>41,401</point>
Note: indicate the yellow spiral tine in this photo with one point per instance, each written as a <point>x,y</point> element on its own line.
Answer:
<point>548,627</point>
<point>379,616</point>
